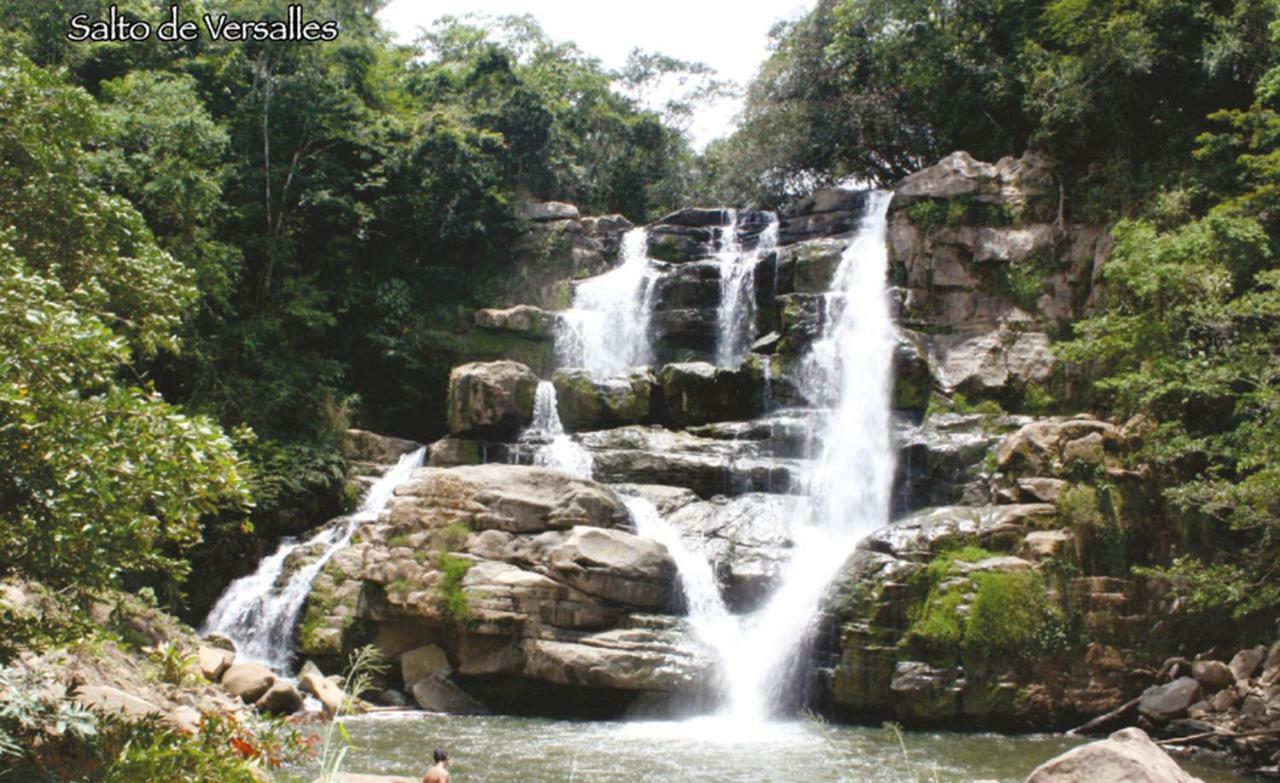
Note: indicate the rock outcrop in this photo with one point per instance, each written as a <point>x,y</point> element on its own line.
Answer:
<point>528,582</point>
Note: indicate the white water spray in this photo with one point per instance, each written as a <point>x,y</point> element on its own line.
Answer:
<point>849,367</point>
<point>259,611</point>
<point>557,450</point>
<point>606,331</point>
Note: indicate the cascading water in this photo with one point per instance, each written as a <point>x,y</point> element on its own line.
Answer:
<point>259,611</point>
<point>736,310</point>
<point>556,450</point>
<point>850,368</point>
<point>606,331</point>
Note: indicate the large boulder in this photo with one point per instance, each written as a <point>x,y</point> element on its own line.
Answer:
<point>281,698</point>
<point>423,662</point>
<point>588,403</point>
<point>370,447</point>
<point>491,399</point>
<point>1163,703</point>
<point>330,696</point>
<point>249,681</point>
<point>1128,756</point>
<point>213,661</point>
<point>525,320</point>
<point>1056,445</point>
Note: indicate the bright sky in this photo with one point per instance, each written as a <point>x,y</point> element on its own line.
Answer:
<point>731,36</point>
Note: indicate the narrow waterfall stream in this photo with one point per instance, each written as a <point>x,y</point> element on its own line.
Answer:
<point>555,449</point>
<point>259,611</point>
<point>850,368</point>
<point>736,310</point>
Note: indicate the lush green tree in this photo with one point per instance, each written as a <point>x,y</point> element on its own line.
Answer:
<point>99,477</point>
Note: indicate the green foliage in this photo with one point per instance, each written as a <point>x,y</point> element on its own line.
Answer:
<point>877,89</point>
<point>1009,614</point>
<point>452,570</point>
<point>1079,507</point>
<point>43,737</point>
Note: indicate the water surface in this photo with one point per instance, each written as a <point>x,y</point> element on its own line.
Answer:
<point>503,749</point>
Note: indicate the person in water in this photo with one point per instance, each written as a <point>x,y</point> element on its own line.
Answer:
<point>440,772</point>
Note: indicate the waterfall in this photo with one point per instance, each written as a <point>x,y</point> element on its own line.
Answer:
<point>259,611</point>
<point>556,450</point>
<point>606,331</point>
<point>736,311</point>
<point>850,367</point>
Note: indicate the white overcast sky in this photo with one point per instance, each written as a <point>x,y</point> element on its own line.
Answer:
<point>730,36</point>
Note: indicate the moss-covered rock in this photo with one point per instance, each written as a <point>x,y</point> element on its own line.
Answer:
<point>588,403</point>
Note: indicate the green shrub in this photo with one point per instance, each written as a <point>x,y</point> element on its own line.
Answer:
<point>1079,506</point>
<point>452,570</point>
<point>1009,612</point>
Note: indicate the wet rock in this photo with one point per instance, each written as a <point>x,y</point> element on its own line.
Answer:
<point>249,681</point>
<point>391,698</point>
<point>1212,675</point>
<point>219,641</point>
<point>589,403</point>
<point>437,694</point>
<point>745,538</point>
<point>281,698</point>
<point>708,466</point>
<point>526,320</point>
<point>811,265</point>
<point>213,662</point>
<point>692,285</point>
<point>680,244</point>
<point>491,399</point>
<point>801,321</point>
<point>1163,703</point>
<point>912,378</point>
<point>330,696</point>
<point>699,392</point>
<point>1128,756</point>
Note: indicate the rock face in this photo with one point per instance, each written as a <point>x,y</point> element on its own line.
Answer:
<point>989,272</point>
<point>530,584</point>
<point>492,399</point>
<point>1128,756</point>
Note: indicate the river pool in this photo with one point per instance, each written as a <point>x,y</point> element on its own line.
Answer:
<point>503,749</point>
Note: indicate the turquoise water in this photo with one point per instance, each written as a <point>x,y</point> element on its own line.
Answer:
<point>499,749</point>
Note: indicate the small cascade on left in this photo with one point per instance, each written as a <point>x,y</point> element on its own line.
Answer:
<point>553,448</point>
<point>259,611</point>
